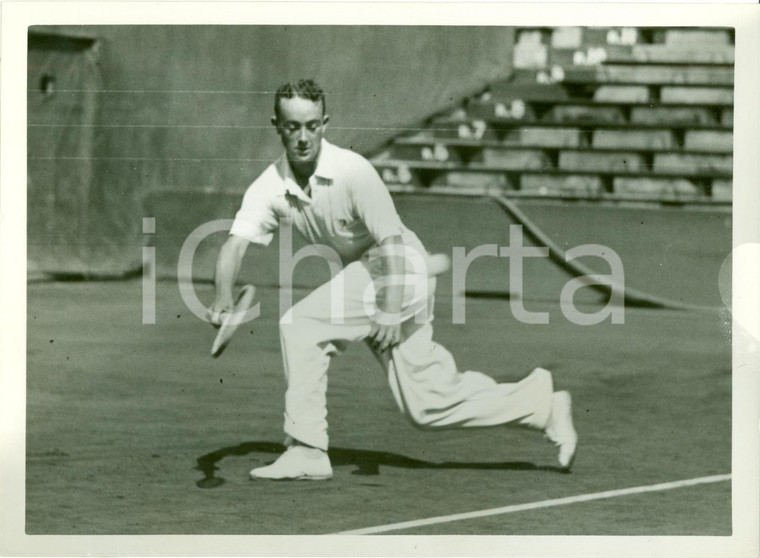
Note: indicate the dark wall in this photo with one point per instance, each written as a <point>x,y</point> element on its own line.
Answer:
<point>188,107</point>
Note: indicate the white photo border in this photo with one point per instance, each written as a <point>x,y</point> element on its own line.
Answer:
<point>18,16</point>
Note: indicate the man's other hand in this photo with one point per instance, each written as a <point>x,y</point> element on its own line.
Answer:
<point>384,337</point>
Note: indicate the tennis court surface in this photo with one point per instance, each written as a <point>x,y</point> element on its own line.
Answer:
<point>135,429</point>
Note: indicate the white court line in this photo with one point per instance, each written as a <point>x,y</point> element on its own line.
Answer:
<point>536,505</point>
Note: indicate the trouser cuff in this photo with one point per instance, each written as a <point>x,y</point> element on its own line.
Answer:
<point>305,435</point>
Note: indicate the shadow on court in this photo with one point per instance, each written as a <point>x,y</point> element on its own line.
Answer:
<point>367,462</point>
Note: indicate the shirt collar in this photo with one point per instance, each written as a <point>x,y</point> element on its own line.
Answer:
<point>323,174</point>
<point>326,164</point>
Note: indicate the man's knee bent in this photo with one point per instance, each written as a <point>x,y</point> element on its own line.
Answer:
<point>422,419</point>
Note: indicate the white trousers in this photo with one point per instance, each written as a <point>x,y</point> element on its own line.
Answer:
<point>422,374</point>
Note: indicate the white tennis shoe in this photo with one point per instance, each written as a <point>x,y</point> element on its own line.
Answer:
<point>560,429</point>
<point>297,463</point>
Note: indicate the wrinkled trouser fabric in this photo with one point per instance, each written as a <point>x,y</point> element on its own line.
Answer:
<point>422,374</point>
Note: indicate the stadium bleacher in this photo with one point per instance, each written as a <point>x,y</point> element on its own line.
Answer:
<point>588,113</point>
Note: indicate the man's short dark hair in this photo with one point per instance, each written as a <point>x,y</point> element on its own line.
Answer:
<point>304,88</point>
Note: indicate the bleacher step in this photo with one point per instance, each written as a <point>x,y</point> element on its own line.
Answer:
<point>541,56</point>
<point>552,137</point>
<point>633,139</point>
<point>664,116</point>
<point>664,54</point>
<point>656,187</point>
<point>471,147</point>
<point>580,113</point>
<point>584,186</point>
<point>515,159</point>
<point>697,95</point>
<point>710,141</point>
<point>696,38</point>
<point>608,162</point>
<point>622,94</point>
<point>692,164</point>
<point>660,75</point>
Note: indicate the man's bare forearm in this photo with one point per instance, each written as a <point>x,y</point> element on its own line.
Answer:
<point>227,268</point>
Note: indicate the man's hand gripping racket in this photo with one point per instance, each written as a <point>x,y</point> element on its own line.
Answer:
<point>230,319</point>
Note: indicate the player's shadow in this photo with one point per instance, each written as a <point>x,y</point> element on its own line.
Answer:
<point>367,462</point>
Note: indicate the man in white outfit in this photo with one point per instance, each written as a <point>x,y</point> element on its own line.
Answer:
<point>336,200</point>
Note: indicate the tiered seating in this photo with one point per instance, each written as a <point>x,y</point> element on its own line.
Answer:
<point>591,113</point>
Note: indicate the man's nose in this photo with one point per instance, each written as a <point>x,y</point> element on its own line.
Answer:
<point>302,136</point>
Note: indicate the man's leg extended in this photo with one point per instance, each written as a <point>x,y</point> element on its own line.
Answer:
<point>433,393</point>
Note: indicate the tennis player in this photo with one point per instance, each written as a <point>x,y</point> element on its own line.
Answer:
<point>382,294</point>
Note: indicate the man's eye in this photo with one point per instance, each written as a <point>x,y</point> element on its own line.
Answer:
<point>291,128</point>
<point>312,126</point>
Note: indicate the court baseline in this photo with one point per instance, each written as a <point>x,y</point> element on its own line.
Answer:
<point>537,505</point>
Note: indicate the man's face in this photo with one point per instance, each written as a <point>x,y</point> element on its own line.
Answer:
<point>301,125</point>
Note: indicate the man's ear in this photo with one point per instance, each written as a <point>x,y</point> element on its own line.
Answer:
<point>325,120</point>
<point>274,121</point>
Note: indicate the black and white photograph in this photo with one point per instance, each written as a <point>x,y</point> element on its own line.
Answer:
<point>483,285</point>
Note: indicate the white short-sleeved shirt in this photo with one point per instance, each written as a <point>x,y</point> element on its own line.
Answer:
<point>349,210</point>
